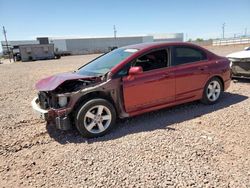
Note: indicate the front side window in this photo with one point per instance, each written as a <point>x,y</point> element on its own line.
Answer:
<point>153,60</point>
<point>150,61</point>
<point>183,55</point>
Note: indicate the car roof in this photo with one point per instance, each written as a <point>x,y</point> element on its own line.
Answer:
<point>144,47</point>
<point>150,45</point>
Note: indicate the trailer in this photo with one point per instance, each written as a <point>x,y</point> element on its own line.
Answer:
<point>33,52</point>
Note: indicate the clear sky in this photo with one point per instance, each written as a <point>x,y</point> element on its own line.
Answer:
<point>27,19</point>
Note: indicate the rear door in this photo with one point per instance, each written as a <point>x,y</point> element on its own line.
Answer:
<point>191,73</point>
<point>153,87</point>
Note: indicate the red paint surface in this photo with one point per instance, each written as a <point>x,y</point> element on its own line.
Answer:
<point>135,70</point>
<point>52,82</point>
<point>148,89</point>
<point>170,86</point>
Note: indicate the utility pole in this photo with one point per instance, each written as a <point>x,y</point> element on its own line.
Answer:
<point>115,32</point>
<point>223,30</point>
<point>6,42</point>
<point>245,31</point>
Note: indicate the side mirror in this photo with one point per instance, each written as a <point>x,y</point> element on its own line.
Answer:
<point>135,71</point>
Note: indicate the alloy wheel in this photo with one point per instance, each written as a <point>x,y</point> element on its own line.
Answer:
<point>97,119</point>
<point>213,90</point>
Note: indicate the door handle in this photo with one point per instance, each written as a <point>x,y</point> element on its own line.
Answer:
<point>202,68</point>
<point>167,75</point>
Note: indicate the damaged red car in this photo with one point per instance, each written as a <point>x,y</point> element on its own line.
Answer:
<point>129,81</point>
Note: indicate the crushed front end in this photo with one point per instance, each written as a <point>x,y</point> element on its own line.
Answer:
<point>55,104</point>
<point>53,108</point>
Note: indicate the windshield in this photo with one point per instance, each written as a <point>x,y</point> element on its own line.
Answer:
<point>105,63</point>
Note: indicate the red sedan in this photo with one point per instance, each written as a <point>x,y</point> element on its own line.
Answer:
<point>129,81</point>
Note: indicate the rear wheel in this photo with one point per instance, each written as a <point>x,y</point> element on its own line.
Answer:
<point>212,91</point>
<point>95,118</point>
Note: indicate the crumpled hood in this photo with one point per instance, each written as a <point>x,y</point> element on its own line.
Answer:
<point>239,55</point>
<point>52,82</point>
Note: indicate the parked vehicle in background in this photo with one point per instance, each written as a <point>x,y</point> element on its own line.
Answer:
<point>129,81</point>
<point>33,52</point>
<point>240,63</point>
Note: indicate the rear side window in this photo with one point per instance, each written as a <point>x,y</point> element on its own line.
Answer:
<point>183,55</point>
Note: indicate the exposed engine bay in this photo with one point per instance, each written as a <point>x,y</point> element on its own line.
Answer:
<point>60,96</point>
<point>75,85</point>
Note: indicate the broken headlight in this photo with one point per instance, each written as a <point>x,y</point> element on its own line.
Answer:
<point>62,101</point>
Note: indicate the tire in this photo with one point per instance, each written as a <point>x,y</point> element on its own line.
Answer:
<point>95,118</point>
<point>212,91</point>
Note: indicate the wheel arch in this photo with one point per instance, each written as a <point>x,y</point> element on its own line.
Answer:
<point>90,96</point>
<point>220,78</point>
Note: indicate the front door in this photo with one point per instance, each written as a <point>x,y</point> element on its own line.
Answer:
<point>153,87</point>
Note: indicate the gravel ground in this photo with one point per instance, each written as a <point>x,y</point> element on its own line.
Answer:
<point>191,145</point>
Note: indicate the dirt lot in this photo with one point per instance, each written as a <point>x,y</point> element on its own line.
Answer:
<point>189,145</point>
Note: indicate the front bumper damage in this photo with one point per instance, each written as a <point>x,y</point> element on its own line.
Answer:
<point>240,68</point>
<point>59,117</point>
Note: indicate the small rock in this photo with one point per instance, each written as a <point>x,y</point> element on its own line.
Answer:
<point>205,181</point>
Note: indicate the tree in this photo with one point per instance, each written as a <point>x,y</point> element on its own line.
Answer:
<point>199,40</point>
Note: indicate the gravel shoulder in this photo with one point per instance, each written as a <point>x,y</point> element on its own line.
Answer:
<point>189,145</point>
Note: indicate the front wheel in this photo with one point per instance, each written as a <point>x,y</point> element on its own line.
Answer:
<point>95,118</point>
<point>212,91</point>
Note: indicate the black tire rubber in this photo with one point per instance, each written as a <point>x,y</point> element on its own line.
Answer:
<point>205,99</point>
<point>82,110</point>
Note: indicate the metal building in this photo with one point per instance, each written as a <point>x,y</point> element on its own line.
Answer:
<point>96,45</point>
<point>14,44</point>
<point>168,37</point>
<point>92,45</point>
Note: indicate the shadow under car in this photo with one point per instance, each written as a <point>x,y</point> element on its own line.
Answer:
<point>160,119</point>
